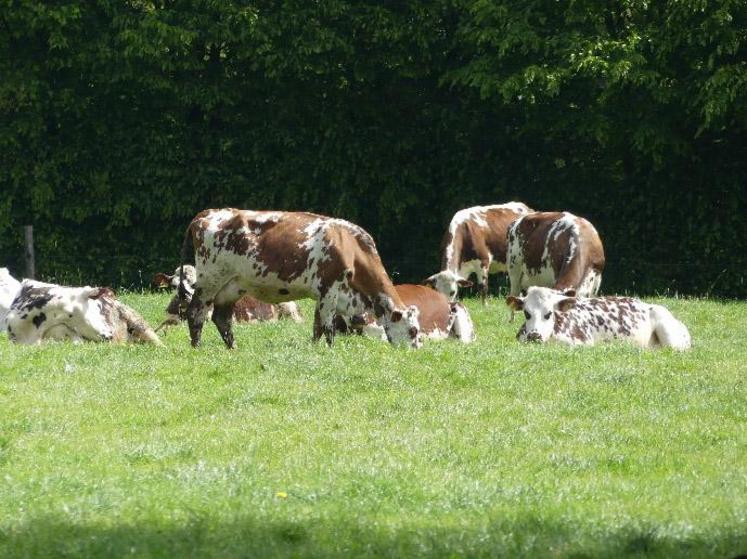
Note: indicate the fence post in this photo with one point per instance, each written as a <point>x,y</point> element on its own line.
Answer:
<point>28,231</point>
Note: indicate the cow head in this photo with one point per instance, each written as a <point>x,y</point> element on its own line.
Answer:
<point>87,316</point>
<point>541,307</point>
<point>448,283</point>
<point>403,326</point>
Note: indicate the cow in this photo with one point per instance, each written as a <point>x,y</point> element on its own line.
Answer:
<point>44,311</point>
<point>475,242</point>
<point>560,315</point>
<point>557,250</point>
<point>279,256</point>
<point>9,287</point>
<point>439,318</point>
<point>246,309</point>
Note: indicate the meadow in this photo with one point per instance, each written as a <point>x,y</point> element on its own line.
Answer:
<point>285,448</point>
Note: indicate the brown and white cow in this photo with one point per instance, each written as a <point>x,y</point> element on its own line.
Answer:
<point>246,309</point>
<point>280,256</point>
<point>475,242</point>
<point>559,315</point>
<point>439,318</point>
<point>44,311</point>
<point>554,249</point>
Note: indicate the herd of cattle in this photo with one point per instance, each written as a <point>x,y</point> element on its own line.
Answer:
<point>253,265</point>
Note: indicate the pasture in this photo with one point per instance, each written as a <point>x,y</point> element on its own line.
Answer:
<point>287,448</point>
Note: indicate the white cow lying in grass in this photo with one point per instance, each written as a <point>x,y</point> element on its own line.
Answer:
<point>552,314</point>
<point>9,288</point>
<point>43,311</point>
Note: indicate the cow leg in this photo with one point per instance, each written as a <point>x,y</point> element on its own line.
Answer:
<point>483,281</point>
<point>317,334</point>
<point>195,318</point>
<point>222,318</point>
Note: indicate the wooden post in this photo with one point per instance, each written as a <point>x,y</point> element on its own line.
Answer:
<point>28,231</point>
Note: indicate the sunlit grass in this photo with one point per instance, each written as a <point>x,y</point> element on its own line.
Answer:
<point>287,448</point>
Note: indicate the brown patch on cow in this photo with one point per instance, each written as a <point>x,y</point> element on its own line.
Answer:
<point>592,245</point>
<point>434,307</point>
<point>248,309</point>
<point>534,229</point>
<point>472,241</point>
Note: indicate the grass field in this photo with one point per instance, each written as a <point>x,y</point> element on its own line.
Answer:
<point>287,448</point>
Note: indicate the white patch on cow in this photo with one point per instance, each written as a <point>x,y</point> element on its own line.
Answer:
<point>9,288</point>
<point>590,285</point>
<point>462,327</point>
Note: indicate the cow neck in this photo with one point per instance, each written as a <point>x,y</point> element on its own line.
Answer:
<point>452,249</point>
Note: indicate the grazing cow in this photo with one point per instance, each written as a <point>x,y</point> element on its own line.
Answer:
<point>43,311</point>
<point>9,287</point>
<point>438,317</point>
<point>559,315</point>
<point>246,309</point>
<point>475,243</point>
<point>281,256</point>
<point>557,250</point>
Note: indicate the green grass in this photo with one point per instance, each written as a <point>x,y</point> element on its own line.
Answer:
<point>287,448</point>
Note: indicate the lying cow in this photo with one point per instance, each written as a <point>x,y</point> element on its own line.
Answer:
<point>9,288</point>
<point>438,317</point>
<point>475,243</point>
<point>246,309</point>
<point>282,256</point>
<point>552,314</point>
<point>43,311</point>
<point>557,250</point>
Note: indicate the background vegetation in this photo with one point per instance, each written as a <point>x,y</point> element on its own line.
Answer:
<point>495,449</point>
<point>120,120</point>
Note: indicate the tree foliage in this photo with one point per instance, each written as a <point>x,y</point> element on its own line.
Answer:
<point>121,120</point>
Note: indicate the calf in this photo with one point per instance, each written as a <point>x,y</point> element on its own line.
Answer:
<point>9,287</point>
<point>43,311</point>
<point>554,249</point>
<point>281,256</point>
<point>246,309</point>
<point>475,243</point>
<point>438,317</point>
<point>552,314</point>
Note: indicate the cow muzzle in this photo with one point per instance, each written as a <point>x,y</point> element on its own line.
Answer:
<point>534,337</point>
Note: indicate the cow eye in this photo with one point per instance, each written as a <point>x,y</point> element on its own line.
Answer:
<point>527,315</point>
<point>548,315</point>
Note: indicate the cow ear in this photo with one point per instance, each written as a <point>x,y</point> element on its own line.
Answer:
<point>161,280</point>
<point>396,316</point>
<point>566,304</point>
<point>430,281</point>
<point>464,283</point>
<point>99,292</point>
<point>516,303</point>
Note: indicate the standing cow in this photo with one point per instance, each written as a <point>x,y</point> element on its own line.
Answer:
<point>439,318</point>
<point>44,311</point>
<point>475,243</point>
<point>281,256</point>
<point>560,315</point>
<point>554,249</point>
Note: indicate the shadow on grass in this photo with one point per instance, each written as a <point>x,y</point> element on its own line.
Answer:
<point>200,537</point>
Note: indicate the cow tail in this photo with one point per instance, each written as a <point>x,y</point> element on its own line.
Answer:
<point>187,247</point>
